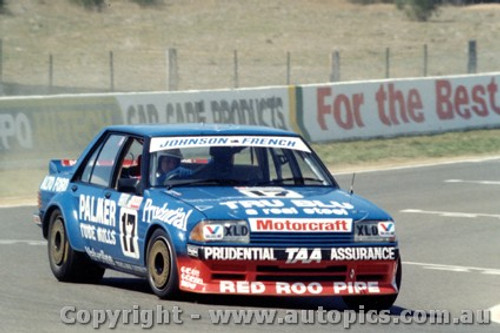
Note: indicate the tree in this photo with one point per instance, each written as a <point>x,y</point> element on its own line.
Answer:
<point>89,4</point>
<point>419,10</point>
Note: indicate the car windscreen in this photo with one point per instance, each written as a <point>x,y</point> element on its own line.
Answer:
<point>238,161</point>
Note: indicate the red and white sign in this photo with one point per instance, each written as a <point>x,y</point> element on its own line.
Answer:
<point>340,111</point>
<point>300,225</point>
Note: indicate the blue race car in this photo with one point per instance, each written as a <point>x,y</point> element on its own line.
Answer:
<point>219,209</point>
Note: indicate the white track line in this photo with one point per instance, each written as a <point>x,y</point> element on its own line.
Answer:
<point>495,313</point>
<point>480,182</point>
<point>22,241</point>
<point>420,165</point>
<point>456,268</point>
<point>449,214</point>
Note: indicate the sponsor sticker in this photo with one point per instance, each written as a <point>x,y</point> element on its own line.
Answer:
<point>299,288</point>
<point>356,288</point>
<point>273,206</point>
<point>295,143</point>
<point>294,255</point>
<point>192,250</point>
<point>176,217</point>
<point>238,253</point>
<point>128,233</point>
<point>213,232</point>
<point>99,255</point>
<point>130,201</point>
<point>386,229</point>
<point>97,210</point>
<point>300,225</point>
<point>54,184</point>
<point>190,277</point>
<point>268,192</point>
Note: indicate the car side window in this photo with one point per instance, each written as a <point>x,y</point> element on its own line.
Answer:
<point>279,164</point>
<point>87,171</point>
<point>99,168</point>
<point>129,167</point>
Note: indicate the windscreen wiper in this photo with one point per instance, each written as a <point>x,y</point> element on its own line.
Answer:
<point>296,180</point>
<point>202,181</point>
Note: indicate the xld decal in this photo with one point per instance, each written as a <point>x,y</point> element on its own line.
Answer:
<point>366,229</point>
<point>128,233</point>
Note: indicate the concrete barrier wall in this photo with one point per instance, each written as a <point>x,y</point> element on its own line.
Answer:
<point>37,128</point>
<point>261,106</point>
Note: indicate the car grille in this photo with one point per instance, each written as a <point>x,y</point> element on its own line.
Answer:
<point>293,273</point>
<point>299,239</point>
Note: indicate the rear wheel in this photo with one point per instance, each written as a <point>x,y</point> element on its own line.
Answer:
<point>375,302</point>
<point>161,265</point>
<point>67,264</point>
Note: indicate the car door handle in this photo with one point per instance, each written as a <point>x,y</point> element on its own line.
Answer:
<point>107,195</point>
<point>74,188</point>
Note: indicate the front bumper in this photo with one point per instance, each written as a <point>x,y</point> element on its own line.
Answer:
<point>280,277</point>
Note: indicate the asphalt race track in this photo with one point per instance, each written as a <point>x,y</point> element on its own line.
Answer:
<point>448,223</point>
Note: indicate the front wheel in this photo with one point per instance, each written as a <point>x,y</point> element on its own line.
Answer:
<point>161,265</point>
<point>375,302</point>
<point>66,264</point>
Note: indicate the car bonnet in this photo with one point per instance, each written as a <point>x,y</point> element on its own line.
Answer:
<point>222,203</point>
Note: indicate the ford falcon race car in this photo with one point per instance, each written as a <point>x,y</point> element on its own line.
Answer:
<point>218,209</point>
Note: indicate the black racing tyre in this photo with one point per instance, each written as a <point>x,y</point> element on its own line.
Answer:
<point>66,264</point>
<point>161,264</point>
<point>375,302</point>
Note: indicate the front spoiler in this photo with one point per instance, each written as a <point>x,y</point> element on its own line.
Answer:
<point>346,278</point>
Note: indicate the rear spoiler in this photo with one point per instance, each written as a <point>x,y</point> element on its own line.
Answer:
<point>58,166</point>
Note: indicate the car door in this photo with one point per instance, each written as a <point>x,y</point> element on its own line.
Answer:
<point>125,190</point>
<point>93,202</point>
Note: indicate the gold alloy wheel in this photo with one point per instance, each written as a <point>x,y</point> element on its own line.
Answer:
<point>58,244</point>
<point>159,263</point>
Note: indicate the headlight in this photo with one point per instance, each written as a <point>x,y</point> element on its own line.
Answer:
<point>231,231</point>
<point>374,231</point>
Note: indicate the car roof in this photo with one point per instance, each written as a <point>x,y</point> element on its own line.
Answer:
<point>158,130</point>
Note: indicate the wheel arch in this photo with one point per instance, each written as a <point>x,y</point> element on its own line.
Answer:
<point>147,238</point>
<point>72,229</point>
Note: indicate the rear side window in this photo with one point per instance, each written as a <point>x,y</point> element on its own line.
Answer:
<point>99,168</point>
